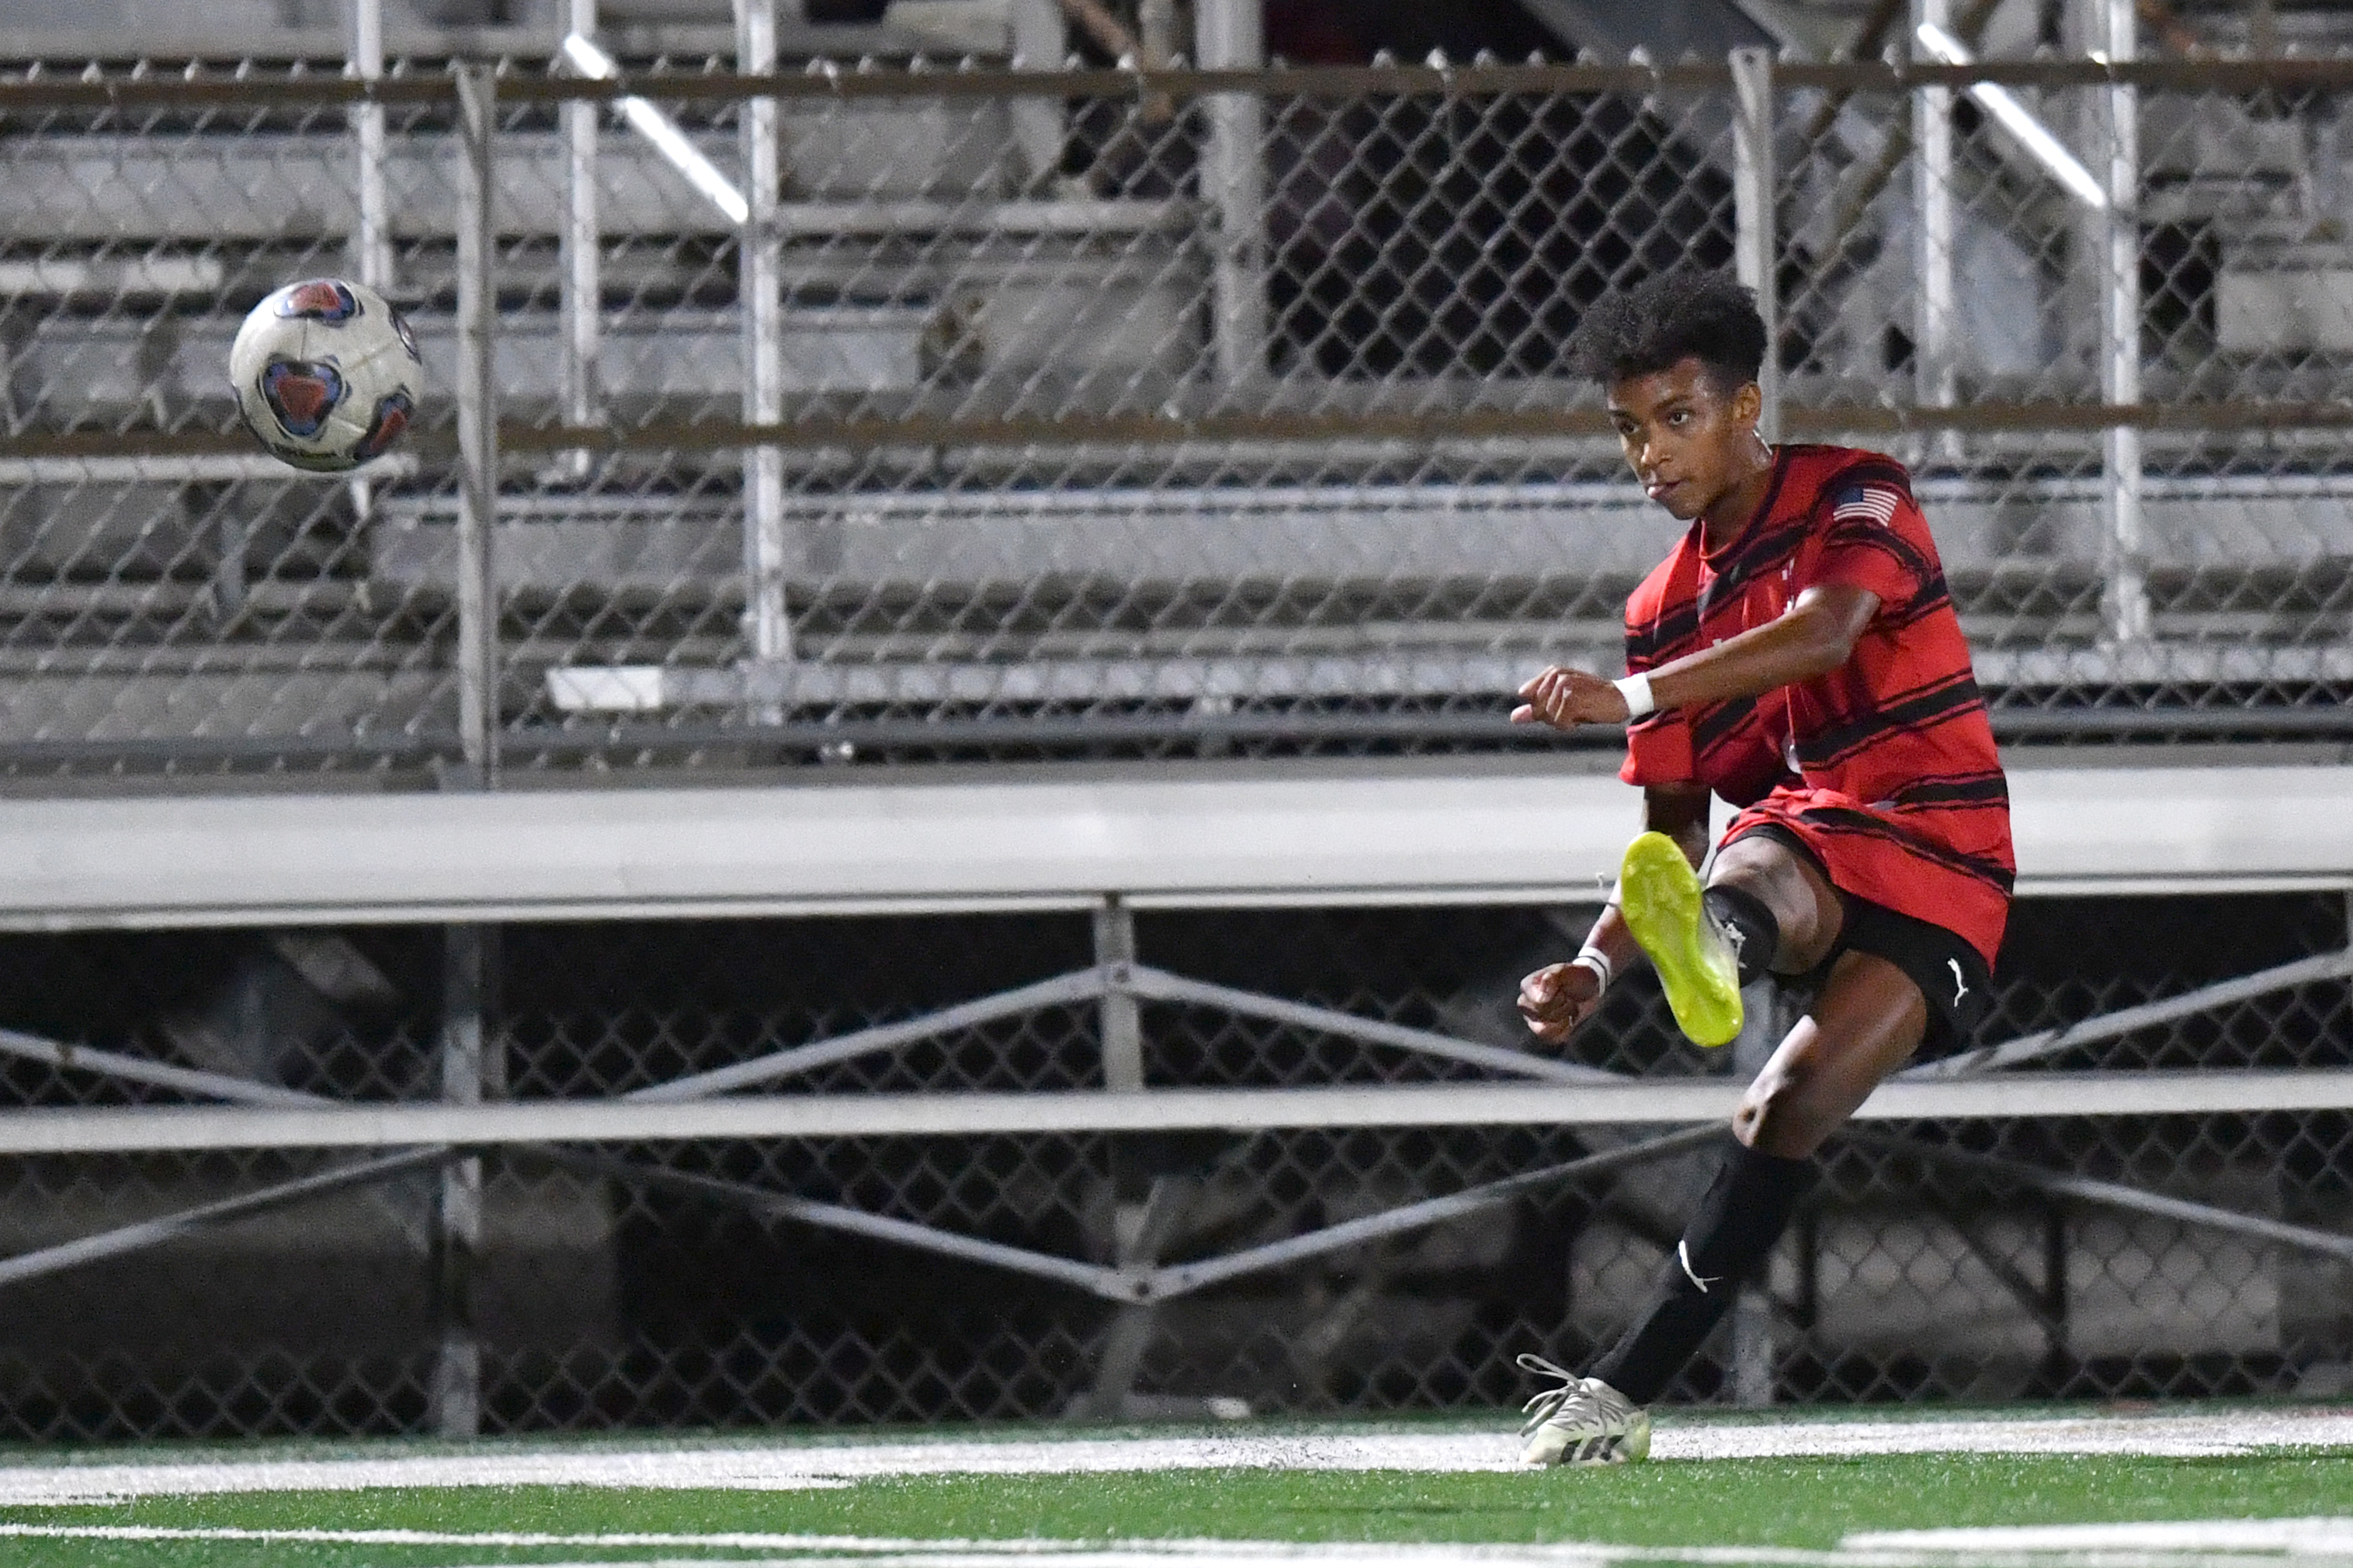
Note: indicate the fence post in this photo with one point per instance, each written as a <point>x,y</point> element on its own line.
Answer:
<point>1040,42</point>
<point>466,1072</point>
<point>2127,599</point>
<point>478,426</point>
<point>372,236</point>
<point>1752,1372</point>
<point>1230,35</point>
<point>372,244</point>
<point>1933,301</point>
<point>1754,240</point>
<point>760,282</point>
<point>583,286</point>
<point>1120,1019</point>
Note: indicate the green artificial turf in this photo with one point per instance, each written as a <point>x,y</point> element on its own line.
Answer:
<point>1811,1502</point>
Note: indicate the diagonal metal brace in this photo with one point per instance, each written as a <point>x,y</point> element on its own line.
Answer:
<point>44,1261</point>
<point>141,1069</point>
<point>1112,1283</point>
<point>1159,986</point>
<point>2115,1194</point>
<point>2124,1021</point>
<point>86,1250</point>
<point>1182,1279</point>
<point>1133,1285</point>
<point>1078,986</point>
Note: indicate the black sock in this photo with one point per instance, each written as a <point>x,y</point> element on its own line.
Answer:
<point>1755,935</point>
<point>1731,1233</point>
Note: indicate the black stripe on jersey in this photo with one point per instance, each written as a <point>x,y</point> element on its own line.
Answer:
<point>1720,722</point>
<point>1651,721</point>
<point>1912,563</point>
<point>1763,551</point>
<point>1863,824</point>
<point>1954,789</point>
<point>1664,630</point>
<point>1916,710</point>
<point>1930,597</point>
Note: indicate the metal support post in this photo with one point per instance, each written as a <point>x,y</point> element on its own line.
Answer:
<point>1754,244</point>
<point>1156,30</point>
<point>371,241</point>
<point>1042,41</point>
<point>2055,1294</point>
<point>1935,385</point>
<point>760,282</point>
<point>466,1075</point>
<point>1118,1014</point>
<point>2114,24</point>
<point>583,286</point>
<point>478,426</point>
<point>1230,35</point>
<point>1763,1021</point>
<point>372,245</point>
<point>1136,1197</point>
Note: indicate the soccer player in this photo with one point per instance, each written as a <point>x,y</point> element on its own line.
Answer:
<point>1798,655</point>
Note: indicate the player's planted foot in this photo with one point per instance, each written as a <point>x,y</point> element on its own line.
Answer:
<point>1583,1422</point>
<point>1659,895</point>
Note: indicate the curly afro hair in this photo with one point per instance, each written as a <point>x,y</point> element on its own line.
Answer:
<point>1667,319</point>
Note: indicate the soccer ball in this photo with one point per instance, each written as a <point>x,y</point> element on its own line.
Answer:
<point>326,375</point>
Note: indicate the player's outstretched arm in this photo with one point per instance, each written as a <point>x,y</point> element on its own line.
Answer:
<point>1558,997</point>
<point>1815,636</point>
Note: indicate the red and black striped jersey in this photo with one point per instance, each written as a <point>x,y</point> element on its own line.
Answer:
<point>1886,766</point>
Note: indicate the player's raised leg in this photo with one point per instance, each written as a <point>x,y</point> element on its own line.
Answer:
<point>1698,959</point>
<point>1869,1019</point>
<point>1765,907</point>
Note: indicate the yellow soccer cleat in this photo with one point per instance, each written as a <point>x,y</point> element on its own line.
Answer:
<point>1659,895</point>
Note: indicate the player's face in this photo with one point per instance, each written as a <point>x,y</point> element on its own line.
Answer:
<point>1690,442</point>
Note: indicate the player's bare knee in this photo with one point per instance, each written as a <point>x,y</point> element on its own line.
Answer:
<point>1806,913</point>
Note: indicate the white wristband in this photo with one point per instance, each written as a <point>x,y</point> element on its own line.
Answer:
<point>1594,959</point>
<point>1636,690</point>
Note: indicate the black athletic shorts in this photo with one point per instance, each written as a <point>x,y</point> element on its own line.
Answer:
<point>1953,979</point>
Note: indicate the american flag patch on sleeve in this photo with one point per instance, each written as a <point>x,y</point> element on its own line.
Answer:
<point>1866,503</point>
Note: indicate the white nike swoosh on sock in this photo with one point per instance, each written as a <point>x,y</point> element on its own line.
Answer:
<point>1682,1256</point>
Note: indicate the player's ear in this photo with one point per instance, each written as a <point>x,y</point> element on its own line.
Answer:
<point>1747,404</point>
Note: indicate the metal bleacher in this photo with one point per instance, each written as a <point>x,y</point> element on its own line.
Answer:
<point>724,756</point>
<point>945,267</point>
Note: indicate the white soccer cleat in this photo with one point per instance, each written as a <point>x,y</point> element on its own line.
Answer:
<point>1583,1422</point>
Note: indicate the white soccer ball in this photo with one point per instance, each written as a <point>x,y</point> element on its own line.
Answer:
<point>327,375</point>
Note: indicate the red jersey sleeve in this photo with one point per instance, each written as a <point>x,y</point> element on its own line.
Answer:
<point>1873,537</point>
<point>1659,746</point>
<point>1658,751</point>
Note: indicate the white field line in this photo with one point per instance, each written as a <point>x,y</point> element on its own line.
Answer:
<point>2314,1543</point>
<point>786,1467</point>
<point>2295,1537</point>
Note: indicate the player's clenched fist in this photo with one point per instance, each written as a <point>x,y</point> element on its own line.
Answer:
<point>1558,997</point>
<point>1565,698</point>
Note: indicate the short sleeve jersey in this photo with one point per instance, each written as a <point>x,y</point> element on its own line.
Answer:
<point>1885,769</point>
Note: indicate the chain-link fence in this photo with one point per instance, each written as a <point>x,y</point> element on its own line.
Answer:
<point>872,414</point>
<point>876,414</point>
<point>748,1282</point>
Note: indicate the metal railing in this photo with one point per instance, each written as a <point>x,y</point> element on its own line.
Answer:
<point>1010,417</point>
<point>994,1187</point>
